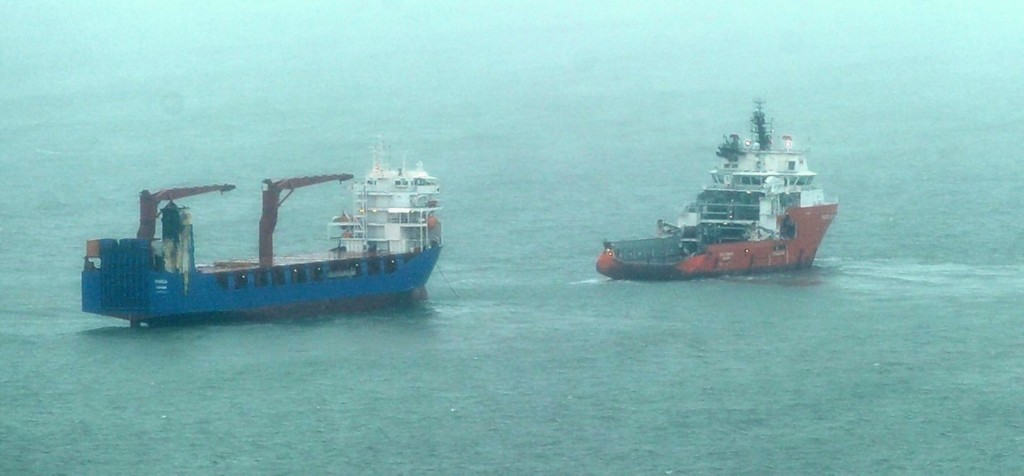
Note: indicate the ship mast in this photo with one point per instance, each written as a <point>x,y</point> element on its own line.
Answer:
<point>761,129</point>
<point>380,155</point>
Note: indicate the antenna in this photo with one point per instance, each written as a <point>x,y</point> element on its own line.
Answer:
<point>761,129</point>
<point>380,153</point>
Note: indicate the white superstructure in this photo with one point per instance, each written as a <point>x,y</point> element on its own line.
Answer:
<point>752,188</point>
<point>395,211</point>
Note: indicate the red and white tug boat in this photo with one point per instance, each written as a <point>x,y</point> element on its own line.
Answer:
<point>762,213</point>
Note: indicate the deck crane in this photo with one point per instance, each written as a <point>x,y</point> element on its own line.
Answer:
<point>150,202</point>
<point>272,201</point>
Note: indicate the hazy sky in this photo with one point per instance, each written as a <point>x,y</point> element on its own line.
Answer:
<point>56,41</point>
<point>510,63</point>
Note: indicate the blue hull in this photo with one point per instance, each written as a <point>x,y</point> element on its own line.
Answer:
<point>128,286</point>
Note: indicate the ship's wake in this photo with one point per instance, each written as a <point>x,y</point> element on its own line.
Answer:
<point>934,279</point>
<point>590,281</point>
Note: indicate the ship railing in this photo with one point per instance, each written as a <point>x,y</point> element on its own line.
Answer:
<point>378,253</point>
<point>650,251</point>
<point>730,221</point>
<point>740,211</point>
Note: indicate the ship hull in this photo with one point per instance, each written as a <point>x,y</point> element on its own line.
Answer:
<point>303,310</point>
<point>740,257</point>
<point>127,287</point>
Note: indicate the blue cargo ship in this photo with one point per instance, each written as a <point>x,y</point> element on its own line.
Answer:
<point>383,254</point>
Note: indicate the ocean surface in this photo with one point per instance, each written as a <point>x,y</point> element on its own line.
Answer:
<point>551,128</point>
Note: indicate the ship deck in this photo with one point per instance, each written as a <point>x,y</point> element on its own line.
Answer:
<point>253,263</point>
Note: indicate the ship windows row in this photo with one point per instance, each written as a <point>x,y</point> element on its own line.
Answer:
<point>298,274</point>
<point>759,180</point>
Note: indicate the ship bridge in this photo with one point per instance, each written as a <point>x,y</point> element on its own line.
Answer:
<point>396,211</point>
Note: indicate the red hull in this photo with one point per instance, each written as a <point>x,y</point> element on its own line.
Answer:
<point>738,257</point>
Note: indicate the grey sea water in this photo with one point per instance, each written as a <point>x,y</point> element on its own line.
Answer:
<point>553,127</point>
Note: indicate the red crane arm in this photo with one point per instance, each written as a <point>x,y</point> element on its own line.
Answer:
<point>150,202</point>
<point>176,193</point>
<point>299,182</point>
<point>272,202</point>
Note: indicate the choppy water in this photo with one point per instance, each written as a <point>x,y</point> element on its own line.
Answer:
<point>552,128</point>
